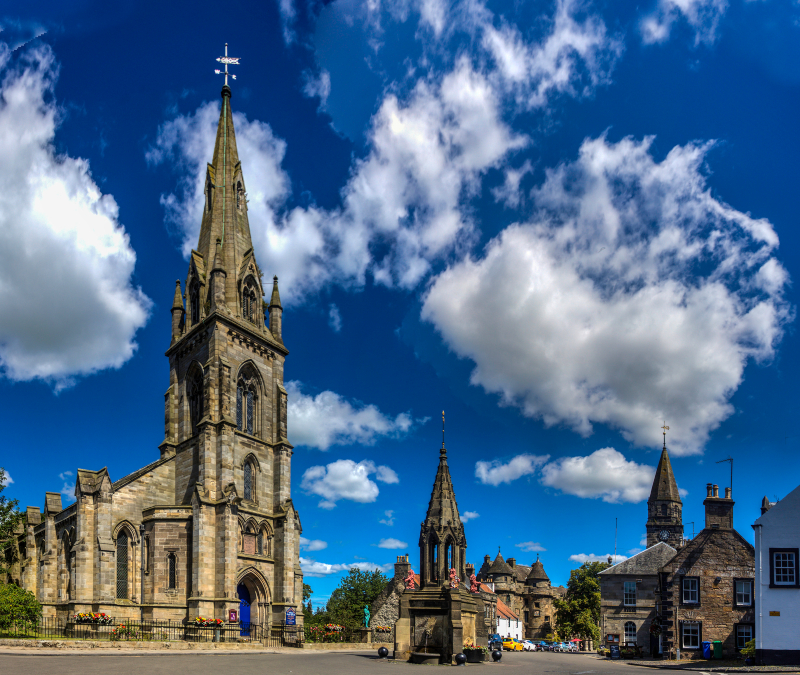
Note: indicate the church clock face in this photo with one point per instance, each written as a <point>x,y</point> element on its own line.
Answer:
<point>663,535</point>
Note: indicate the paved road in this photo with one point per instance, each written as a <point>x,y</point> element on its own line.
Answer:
<point>295,663</point>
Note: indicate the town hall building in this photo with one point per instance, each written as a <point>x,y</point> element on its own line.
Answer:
<point>208,527</point>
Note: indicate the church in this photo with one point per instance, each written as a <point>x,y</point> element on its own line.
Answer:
<point>207,529</point>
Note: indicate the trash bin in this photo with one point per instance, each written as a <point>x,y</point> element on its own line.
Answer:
<point>708,650</point>
<point>717,649</point>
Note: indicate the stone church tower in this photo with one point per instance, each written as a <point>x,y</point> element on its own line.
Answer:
<point>210,526</point>
<point>664,508</point>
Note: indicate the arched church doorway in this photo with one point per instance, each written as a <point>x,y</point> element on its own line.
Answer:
<point>254,599</point>
<point>244,608</point>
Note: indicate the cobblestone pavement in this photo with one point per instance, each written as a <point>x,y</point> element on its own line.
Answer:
<point>288,662</point>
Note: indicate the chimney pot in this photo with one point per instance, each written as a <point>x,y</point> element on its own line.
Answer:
<point>709,489</point>
<point>727,493</point>
<point>716,491</point>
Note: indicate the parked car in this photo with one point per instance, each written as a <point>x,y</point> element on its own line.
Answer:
<point>563,647</point>
<point>495,642</point>
<point>528,646</point>
<point>512,644</point>
<point>543,646</point>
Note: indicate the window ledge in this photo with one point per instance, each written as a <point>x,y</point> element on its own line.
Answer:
<point>784,585</point>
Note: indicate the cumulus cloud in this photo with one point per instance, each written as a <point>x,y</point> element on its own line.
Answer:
<point>392,543</point>
<point>572,59</point>
<point>329,419</point>
<point>389,519</point>
<point>427,154</point>
<point>312,544</point>
<point>591,557</point>
<point>632,295</point>
<point>317,86</point>
<point>703,16</point>
<point>531,546</point>
<point>344,479</point>
<point>312,568</point>
<point>81,315</point>
<point>604,474</point>
<point>6,480</point>
<point>469,515</point>
<point>496,472</point>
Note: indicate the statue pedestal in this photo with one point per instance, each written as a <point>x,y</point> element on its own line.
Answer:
<point>366,635</point>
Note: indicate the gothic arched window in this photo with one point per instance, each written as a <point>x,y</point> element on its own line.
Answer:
<point>209,188</point>
<point>246,404</point>
<point>630,631</point>
<point>172,573</point>
<point>194,391</point>
<point>249,306</point>
<point>248,481</point>
<point>122,566</point>
<point>260,542</point>
<point>194,302</point>
<point>239,195</point>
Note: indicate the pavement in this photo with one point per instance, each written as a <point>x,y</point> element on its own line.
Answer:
<point>22,661</point>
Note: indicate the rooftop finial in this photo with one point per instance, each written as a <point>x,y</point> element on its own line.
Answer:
<point>442,428</point>
<point>234,61</point>
<point>666,429</point>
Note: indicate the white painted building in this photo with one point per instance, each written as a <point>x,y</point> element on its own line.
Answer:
<point>508,623</point>
<point>777,601</point>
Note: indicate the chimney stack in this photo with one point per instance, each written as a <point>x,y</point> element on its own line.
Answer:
<point>719,510</point>
<point>512,562</point>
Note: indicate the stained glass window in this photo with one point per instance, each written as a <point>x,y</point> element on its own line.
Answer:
<point>260,543</point>
<point>250,411</point>
<point>122,566</point>
<point>239,394</point>
<point>248,480</point>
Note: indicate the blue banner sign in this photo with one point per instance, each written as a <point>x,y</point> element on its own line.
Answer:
<point>291,616</point>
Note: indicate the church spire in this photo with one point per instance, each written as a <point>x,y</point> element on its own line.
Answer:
<point>664,508</point>
<point>664,486</point>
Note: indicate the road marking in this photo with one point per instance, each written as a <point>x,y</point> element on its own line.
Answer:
<point>584,672</point>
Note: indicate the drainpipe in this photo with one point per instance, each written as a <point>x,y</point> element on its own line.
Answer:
<point>141,571</point>
<point>760,615</point>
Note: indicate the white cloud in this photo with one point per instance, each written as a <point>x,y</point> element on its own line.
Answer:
<point>591,557</point>
<point>334,318</point>
<point>66,296</point>
<point>288,13</point>
<point>469,515</point>
<point>496,472</point>
<point>427,155</point>
<point>392,543</point>
<point>703,16</point>
<point>312,568</point>
<point>7,479</point>
<point>626,299</point>
<point>68,488</point>
<point>531,546</point>
<point>329,419</point>
<point>572,59</point>
<point>604,474</point>
<point>389,519</point>
<point>317,86</point>
<point>509,192</point>
<point>344,479</point>
<point>312,544</point>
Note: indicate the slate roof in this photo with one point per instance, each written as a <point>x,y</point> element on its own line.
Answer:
<point>664,486</point>
<point>649,561</point>
<point>537,572</point>
<point>500,566</point>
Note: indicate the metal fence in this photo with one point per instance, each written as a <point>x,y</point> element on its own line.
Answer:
<point>151,631</point>
<point>178,631</point>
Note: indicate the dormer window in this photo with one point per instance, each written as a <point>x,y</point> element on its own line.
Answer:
<point>195,395</point>
<point>209,188</point>
<point>249,306</point>
<point>239,195</point>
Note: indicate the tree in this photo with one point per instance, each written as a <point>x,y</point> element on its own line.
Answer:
<point>356,590</point>
<point>307,592</point>
<point>17,604</point>
<point>578,614</point>
<point>9,518</point>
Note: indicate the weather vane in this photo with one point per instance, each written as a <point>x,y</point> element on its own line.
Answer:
<point>442,428</point>
<point>666,429</point>
<point>234,61</point>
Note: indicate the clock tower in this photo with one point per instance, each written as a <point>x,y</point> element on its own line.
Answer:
<point>664,518</point>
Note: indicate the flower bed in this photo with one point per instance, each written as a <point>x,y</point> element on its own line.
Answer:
<point>95,618</point>
<point>205,622</point>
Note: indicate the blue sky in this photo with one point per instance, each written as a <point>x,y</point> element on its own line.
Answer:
<point>561,223</point>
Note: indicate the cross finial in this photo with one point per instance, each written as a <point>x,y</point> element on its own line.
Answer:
<point>666,429</point>
<point>234,61</point>
<point>442,428</point>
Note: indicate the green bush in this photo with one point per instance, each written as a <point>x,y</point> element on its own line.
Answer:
<point>749,649</point>
<point>17,604</point>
